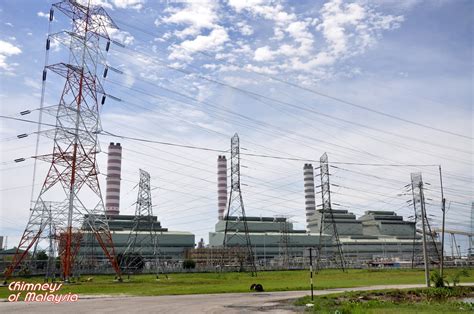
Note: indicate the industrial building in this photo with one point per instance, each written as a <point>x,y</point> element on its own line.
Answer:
<point>271,237</point>
<point>375,235</point>
<point>171,246</point>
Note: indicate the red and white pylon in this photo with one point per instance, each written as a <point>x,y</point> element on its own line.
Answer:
<point>72,179</point>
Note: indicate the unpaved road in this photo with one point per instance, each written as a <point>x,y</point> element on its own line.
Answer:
<point>228,303</point>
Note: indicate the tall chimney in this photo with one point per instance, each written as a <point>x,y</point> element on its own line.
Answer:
<point>114,162</point>
<point>221,186</point>
<point>309,199</point>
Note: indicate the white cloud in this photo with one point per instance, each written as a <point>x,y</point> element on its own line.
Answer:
<point>128,4</point>
<point>352,28</point>
<point>264,9</point>
<point>43,14</point>
<point>6,50</point>
<point>244,28</point>
<point>196,17</point>
<point>103,3</point>
<point>123,37</point>
<point>263,54</point>
<point>215,39</point>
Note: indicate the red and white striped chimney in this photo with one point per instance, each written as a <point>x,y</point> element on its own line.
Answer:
<point>309,198</point>
<point>221,186</point>
<point>114,162</point>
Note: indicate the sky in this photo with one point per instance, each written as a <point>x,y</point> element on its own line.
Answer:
<point>368,82</point>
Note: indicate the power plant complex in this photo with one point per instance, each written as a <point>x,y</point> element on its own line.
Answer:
<point>72,229</point>
<point>338,237</point>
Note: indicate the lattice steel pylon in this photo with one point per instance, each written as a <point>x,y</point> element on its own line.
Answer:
<point>417,187</point>
<point>235,218</point>
<point>330,227</point>
<point>72,178</point>
<point>285,242</point>
<point>142,244</point>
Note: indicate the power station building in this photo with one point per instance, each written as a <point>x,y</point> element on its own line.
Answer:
<point>171,246</point>
<point>374,235</point>
<point>271,237</point>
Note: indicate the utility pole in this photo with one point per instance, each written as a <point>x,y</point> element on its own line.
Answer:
<point>443,208</point>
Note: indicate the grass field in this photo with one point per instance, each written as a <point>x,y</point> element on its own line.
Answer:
<point>432,300</point>
<point>195,283</point>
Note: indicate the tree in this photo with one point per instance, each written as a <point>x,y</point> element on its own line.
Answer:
<point>189,264</point>
<point>41,260</point>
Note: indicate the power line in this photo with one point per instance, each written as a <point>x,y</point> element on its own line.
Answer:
<point>313,91</point>
<point>107,133</point>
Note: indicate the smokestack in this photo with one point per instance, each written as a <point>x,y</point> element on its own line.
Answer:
<point>309,199</point>
<point>221,186</point>
<point>114,162</point>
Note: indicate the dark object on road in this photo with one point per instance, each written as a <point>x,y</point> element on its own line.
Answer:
<point>259,288</point>
<point>256,287</point>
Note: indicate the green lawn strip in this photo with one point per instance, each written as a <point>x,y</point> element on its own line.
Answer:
<point>422,300</point>
<point>198,283</point>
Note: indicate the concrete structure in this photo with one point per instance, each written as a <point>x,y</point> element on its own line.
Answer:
<point>172,244</point>
<point>376,234</point>
<point>114,164</point>
<point>265,236</point>
<point>221,186</point>
<point>309,198</point>
<point>346,223</point>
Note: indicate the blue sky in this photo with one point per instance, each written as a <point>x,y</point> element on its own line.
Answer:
<point>412,59</point>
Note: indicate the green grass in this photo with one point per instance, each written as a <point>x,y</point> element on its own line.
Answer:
<point>195,283</point>
<point>425,300</point>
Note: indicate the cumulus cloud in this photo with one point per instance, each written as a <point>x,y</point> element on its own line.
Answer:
<point>6,50</point>
<point>263,54</point>
<point>43,14</point>
<point>244,28</point>
<point>348,29</point>
<point>352,28</point>
<point>123,37</point>
<point>128,4</point>
<point>196,17</point>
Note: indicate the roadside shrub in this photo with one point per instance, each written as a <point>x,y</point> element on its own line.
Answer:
<point>189,264</point>
<point>456,278</point>
<point>438,280</point>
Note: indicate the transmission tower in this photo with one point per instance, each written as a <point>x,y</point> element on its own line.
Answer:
<point>285,242</point>
<point>73,176</point>
<point>417,187</point>
<point>142,243</point>
<point>325,226</point>
<point>235,219</point>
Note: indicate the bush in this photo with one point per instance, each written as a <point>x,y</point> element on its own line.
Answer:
<point>456,278</point>
<point>438,280</point>
<point>189,264</point>
<point>41,260</point>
